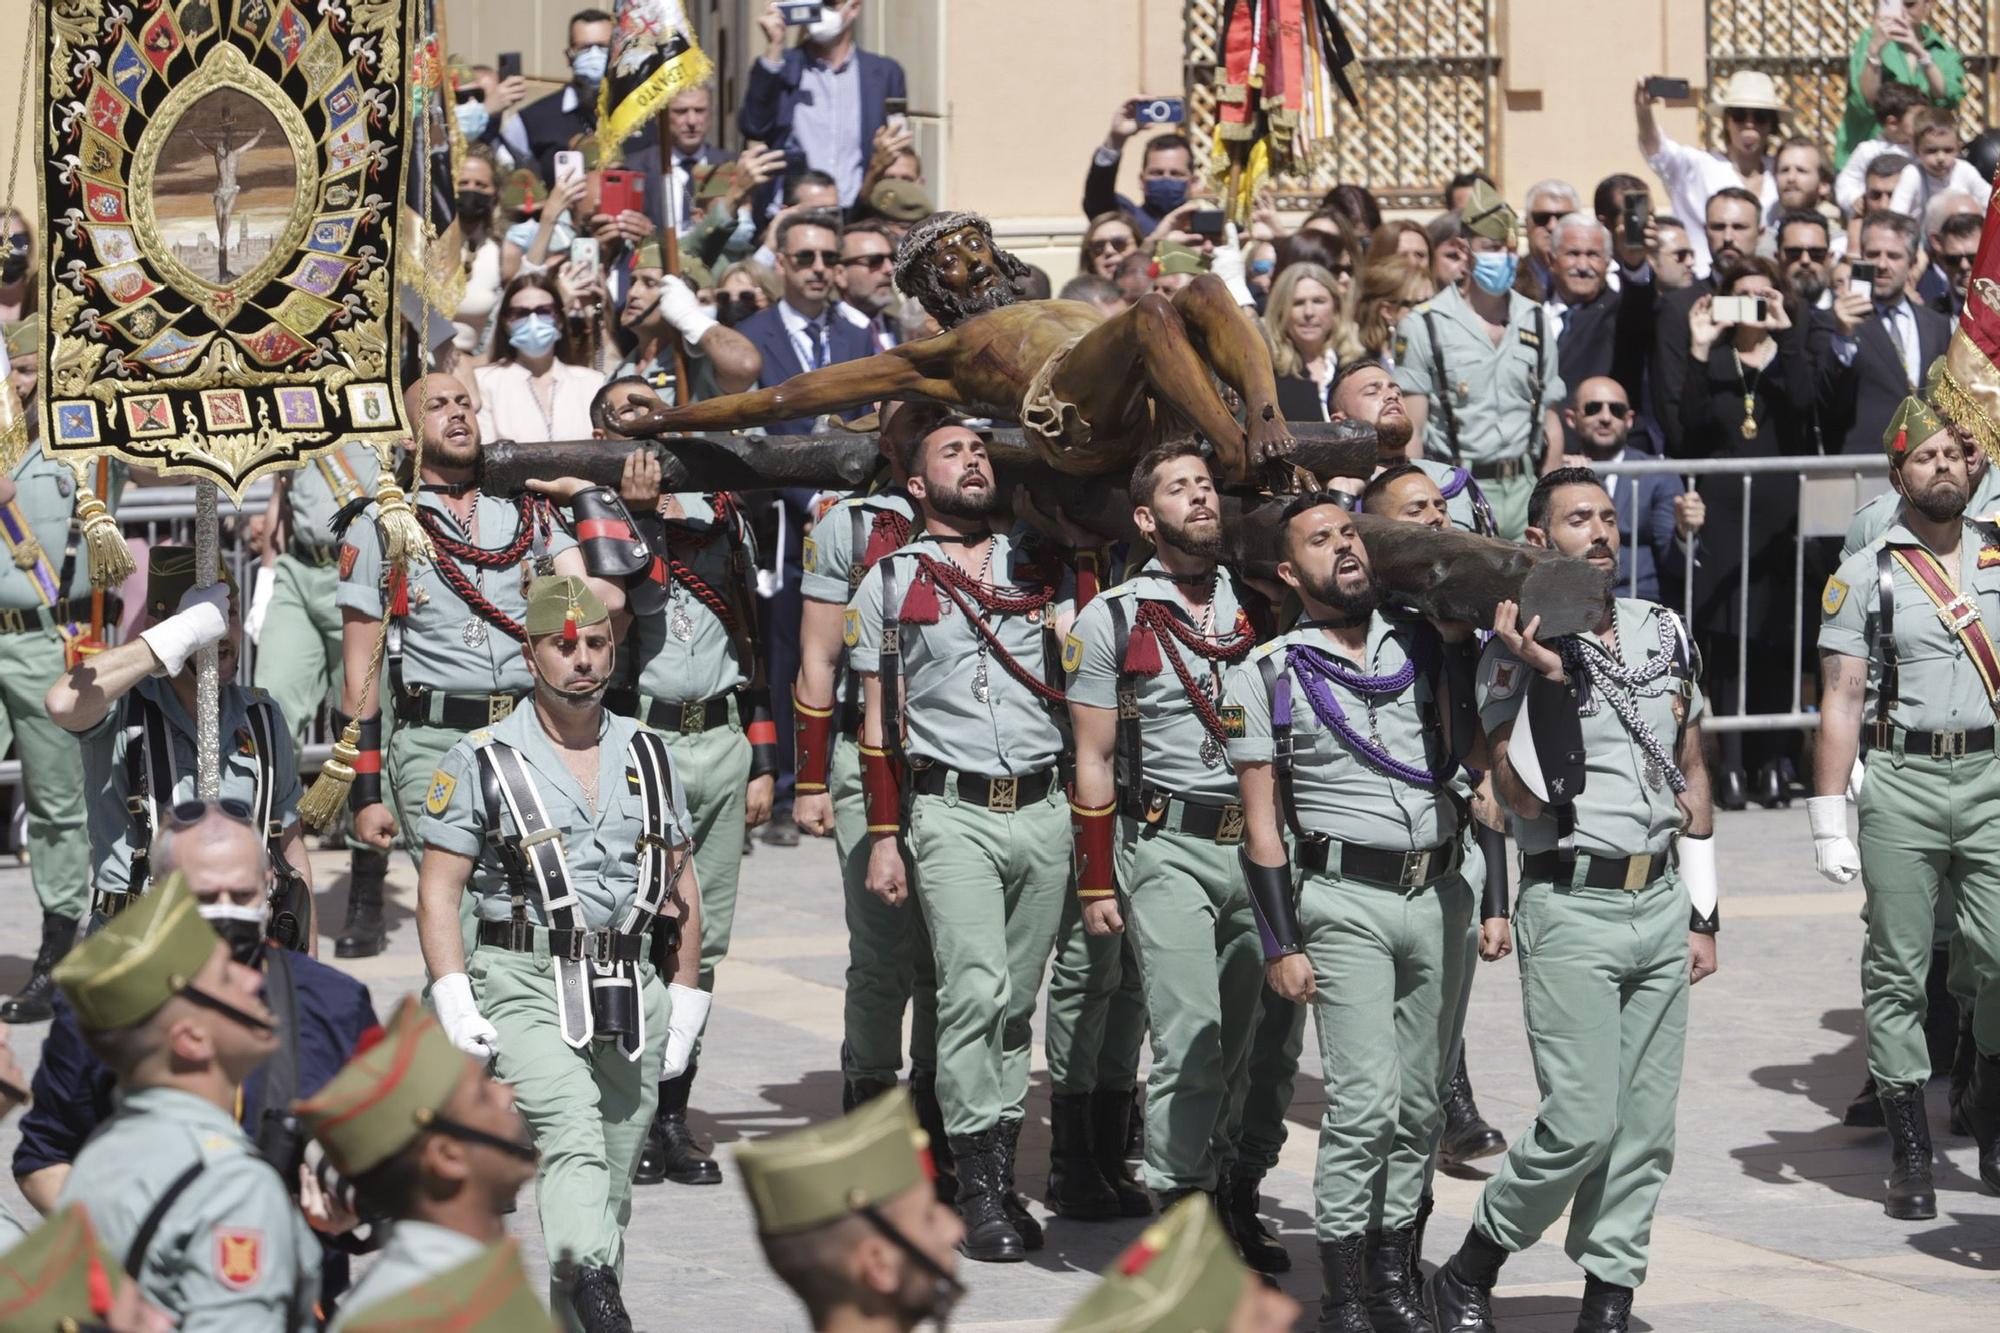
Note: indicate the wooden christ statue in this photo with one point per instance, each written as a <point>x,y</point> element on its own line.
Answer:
<point>1092,394</point>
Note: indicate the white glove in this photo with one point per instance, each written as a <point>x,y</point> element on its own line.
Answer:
<point>684,1024</point>
<point>679,308</point>
<point>1228,264</point>
<point>451,996</point>
<point>260,602</point>
<point>1832,848</point>
<point>201,619</point>
<point>1855,778</point>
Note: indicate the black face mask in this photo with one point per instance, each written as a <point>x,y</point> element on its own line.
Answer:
<point>14,262</point>
<point>732,308</point>
<point>475,205</point>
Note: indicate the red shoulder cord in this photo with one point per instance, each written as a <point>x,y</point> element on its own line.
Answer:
<point>1156,627</point>
<point>920,607</point>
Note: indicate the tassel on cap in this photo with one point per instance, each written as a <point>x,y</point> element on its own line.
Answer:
<point>111,561</point>
<point>321,806</point>
<point>1142,652</point>
<point>920,603</point>
<point>404,543</point>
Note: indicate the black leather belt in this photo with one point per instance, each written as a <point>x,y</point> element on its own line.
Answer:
<point>1403,870</point>
<point>320,557</point>
<point>66,611</point>
<point>1629,873</point>
<point>1222,824</point>
<point>688,719</point>
<point>1002,795</point>
<point>460,712</point>
<point>1504,469</point>
<point>1936,744</point>
<point>602,946</point>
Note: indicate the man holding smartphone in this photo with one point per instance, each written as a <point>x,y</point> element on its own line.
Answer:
<point>1166,166</point>
<point>810,99</point>
<point>1882,341</point>
<point>1751,111</point>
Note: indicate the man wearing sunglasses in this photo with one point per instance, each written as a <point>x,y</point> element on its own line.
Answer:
<point>1805,253</point>
<point>867,282</point>
<point>1750,112</point>
<point>1600,420</point>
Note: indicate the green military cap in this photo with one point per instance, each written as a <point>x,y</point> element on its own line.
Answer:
<point>169,575</point>
<point>142,958</point>
<point>559,603</point>
<point>1487,214</point>
<point>58,1276</point>
<point>1173,257</point>
<point>901,200</point>
<point>24,336</point>
<point>521,190</point>
<point>461,74</point>
<point>1915,421</point>
<point>648,254</point>
<point>488,1293</point>
<point>1181,1276</point>
<point>716,181</point>
<point>385,1096</point>
<point>823,1173</point>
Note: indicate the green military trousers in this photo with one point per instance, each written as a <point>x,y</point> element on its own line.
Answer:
<point>1378,960</point>
<point>1461,963</point>
<point>1509,500</point>
<point>991,886</point>
<point>1198,956</point>
<point>302,627</point>
<point>1604,984</point>
<point>1096,1009</point>
<point>714,769</point>
<point>1262,1098</point>
<point>51,773</point>
<point>1927,836</point>
<point>889,960</point>
<point>410,761</point>
<point>587,1108</point>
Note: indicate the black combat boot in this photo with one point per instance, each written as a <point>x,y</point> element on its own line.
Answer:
<point>1168,1198</point>
<point>363,935</point>
<point>860,1091</point>
<point>1606,1308</point>
<point>1390,1309</point>
<point>1236,1203</point>
<point>1460,1293</point>
<point>1415,1277</point>
<point>930,1119</point>
<point>593,1294</point>
<point>1911,1197</point>
<point>990,1237</point>
<point>1077,1189</point>
<point>1962,1061</point>
<point>1982,1117</point>
<point>671,1152</point>
<point>1110,1121</point>
<point>1466,1135</point>
<point>1342,1268</point>
<point>1865,1111</point>
<point>34,1002</point>
<point>1008,1136</point>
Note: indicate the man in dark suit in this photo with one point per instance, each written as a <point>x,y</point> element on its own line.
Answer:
<point>1656,518</point>
<point>554,122</point>
<point>801,99</point>
<point>1732,223</point>
<point>1598,331</point>
<point>1880,345</point>
<point>690,115</point>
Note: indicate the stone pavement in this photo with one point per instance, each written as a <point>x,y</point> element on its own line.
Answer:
<point>1771,1221</point>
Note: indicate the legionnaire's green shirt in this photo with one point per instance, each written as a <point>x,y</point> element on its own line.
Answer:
<point>683,651</point>
<point>1011,731</point>
<point>834,550</point>
<point>318,490</point>
<point>1876,517</point>
<point>415,1253</point>
<point>46,498</point>
<point>601,850</point>
<point>1937,686</point>
<point>1169,728</point>
<point>1627,807</point>
<point>233,1254</point>
<point>446,647</point>
<point>1337,792</point>
<point>1489,382</point>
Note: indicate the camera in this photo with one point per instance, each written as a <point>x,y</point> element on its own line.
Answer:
<point>1160,111</point>
<point>800,12</point>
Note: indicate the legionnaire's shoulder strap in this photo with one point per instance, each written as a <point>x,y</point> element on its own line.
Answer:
<point>1446,400</point>
<point>142,1239</point>
<point>1536,386</point>
<point>1887,688</point>
<point>1278,694</point>
<point>1131,744</point>
<point>1959,611</point>
<point>890,668</point>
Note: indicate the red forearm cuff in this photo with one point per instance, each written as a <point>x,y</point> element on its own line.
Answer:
<point>812,739</point>
<point>881,789</point>
<point>1096,834</point>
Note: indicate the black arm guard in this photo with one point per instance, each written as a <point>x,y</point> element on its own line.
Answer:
<point>613,547</point>
<point>1552,715</point>
<point>762,730</point>
<point>366,790</point>
<point>1493,896</point>
<point>1272,902</point>
<point>1461,717</point>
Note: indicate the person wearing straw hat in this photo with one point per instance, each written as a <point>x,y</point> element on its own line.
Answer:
<point>174,1185</point>
<point>1181,1276</point>
<point>61,1277</point>
<point>430,1142</point>
<point>1751,110</point>
<point>849,1220</point>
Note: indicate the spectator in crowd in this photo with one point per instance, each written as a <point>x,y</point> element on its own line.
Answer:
<point>1106,241</point>
<point>690,118</point>
<point>1730,232</point>
<point>1953,247</point>
<point>1356,207</point>
<point>491,106</point>
<point>1939,168</point>
<point>1134,276</point>
<point>1548,202</point>
<point>1459,188</point>
<point>1748,392</point>
<point>823,100</point>
<point>1883,188</point>
<point>530,246</point>
<point>1166,173</point>
<point>537,386</point>
<point>1330,222</point>
<point>1882,346</point>
<point>661,309</point>
<point>17,243</point>
<point>1750,111</point>
<point>1402,237</point>
<point>810,187</point>
<point>1673,261</point>
<point>725,227</point>
<point>1392,285</point>
<point>1654,512</point>
<point>898,204</point>
<point>1896,49</point>
<point>893,157</point>
<point>1311,336</point>
<point>1607,201</point>
<point>1896,112</point>
<point>1100,292</point>
<point>1805,254</point>
<point>1451,256</point>
<point>1932,284</point>
<point>1331,250</point>
<point>743,289</point>
<point>565,117</point>
<point>1799,168</point>
<point>867,282</point>
<point>1599,331</point>
<point>1032,284</point>
<point>1260,265</point>
<point>478,196</point>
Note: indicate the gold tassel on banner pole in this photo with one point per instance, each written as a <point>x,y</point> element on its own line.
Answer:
<point>404,542</point>
<point>111,561</point>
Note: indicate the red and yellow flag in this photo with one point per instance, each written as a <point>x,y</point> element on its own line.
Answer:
<point>654,55</point>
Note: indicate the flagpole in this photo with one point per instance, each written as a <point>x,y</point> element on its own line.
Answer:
<point>670,249</point>
<point>207,688</point>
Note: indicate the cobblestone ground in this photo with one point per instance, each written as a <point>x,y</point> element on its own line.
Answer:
<point>1771,1221</point>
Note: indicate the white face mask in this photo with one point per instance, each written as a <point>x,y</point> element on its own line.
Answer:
<point>832,22</point>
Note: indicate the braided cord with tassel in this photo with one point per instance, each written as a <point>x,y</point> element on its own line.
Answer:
<point>111,561</point>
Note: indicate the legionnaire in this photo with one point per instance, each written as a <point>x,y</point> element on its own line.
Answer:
<point>1597,756</point>
<point>1911,677</point>
<point>849,1220</point>
<point>430,1142</point>
<point>133,708</point>
<point>567,824</point>
<point>699,681</point>
<point>174,1186</point>
<point>1364,391</point>
<point>45,613</point>
<point>1346,732</point>
<point>1479,369</point>
<point>951,637</point>
<point>60,1276</point>
<point>1182,1276</point>
<point>1157,825</point>
<point>301,622</point>
<point>660,308</point>
<point>488,1292</point>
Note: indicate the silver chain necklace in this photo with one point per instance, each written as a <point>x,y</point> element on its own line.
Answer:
<point>982,683</point>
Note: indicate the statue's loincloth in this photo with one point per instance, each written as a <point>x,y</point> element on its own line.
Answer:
<point>1054,425</point>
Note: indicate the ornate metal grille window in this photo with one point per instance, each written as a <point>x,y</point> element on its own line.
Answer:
<point>1427,79</point>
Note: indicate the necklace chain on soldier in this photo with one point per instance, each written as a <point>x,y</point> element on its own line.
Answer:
<point>982,683</point>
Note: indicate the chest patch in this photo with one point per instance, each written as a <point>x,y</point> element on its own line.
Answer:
<point>439,795</point>
<point>1989,556</point>
<point>246,745</point>
<point>239,1256</point>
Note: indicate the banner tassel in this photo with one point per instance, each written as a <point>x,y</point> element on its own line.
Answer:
<point>111,561</point>
<point>320,808</point>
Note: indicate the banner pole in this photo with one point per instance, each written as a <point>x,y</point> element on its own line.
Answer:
<point>207,688</point>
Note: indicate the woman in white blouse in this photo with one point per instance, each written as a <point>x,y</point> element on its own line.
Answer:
<point>536,387</point>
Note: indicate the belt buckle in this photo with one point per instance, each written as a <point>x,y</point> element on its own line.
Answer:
<point>521,936</point>
<point>603,948</point>
<point>1638,872</point>
<point>498,706</point>
<point>1416,869</point>
<point>1947,745</point>
<point>1959,612</point>
<point>694,718</point>
<point>1229,829</point>
<point>1003,795</point>
<point>1884,733</point>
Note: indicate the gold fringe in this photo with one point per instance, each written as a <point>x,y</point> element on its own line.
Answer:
<point>404,544</point>
<point>1956,401</point>
<point>322,804</point>
<point>111,561</point>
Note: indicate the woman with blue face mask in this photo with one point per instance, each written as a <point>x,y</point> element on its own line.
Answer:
<point>536,388</point>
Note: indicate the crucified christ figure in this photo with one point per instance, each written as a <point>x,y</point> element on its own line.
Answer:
<point>1091,393</point>
<point>226,156</point>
